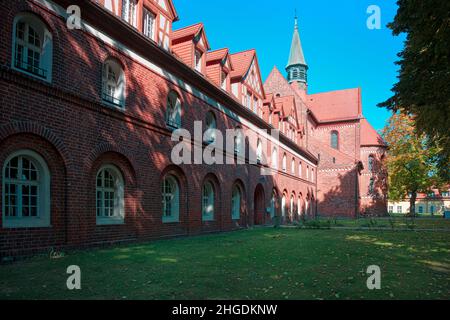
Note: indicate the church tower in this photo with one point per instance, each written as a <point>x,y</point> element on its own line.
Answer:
<point>297,68</point>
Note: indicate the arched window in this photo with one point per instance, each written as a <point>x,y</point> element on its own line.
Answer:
<point>283,206</point>
<point>113,83</point>
<point>335,140</point>
<point>284,163</point>
<point>32,47</point>
<point>26,191</point>
<point>211,127</point>
<point>236,199</point>
<point>372,185</point>
<point>275,159</point>
<point>239,142</point>
<point>208,202</point>
<point>110,196</point>
<point>300,173</point>
<point>259,151</point>
<point>173,111</point>
<point>299,206</point>
<point>293,166</point>
<point>170,199</point>
<point>312,175</point>
<point>307,172</point>
<point>371,162</point>
<point>291,206</point>
<point>272,204</point>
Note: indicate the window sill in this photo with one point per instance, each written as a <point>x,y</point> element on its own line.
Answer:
<point>168,220</point>
<point>172,128</point>
<point>24,223</point>
<point>114,106</point>
<point>34,76</point>
<point>207,218</point>
<point>110,221</point>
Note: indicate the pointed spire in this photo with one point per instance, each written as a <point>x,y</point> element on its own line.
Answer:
<point>296,55</point>
<point>296,67</point>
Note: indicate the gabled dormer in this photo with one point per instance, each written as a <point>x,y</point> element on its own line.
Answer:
<point>153,18</point>
<point>246,84</point>
<point>219,67</point>
<point>190,44</point>
<point>290,124</point>
<point>268,109</point>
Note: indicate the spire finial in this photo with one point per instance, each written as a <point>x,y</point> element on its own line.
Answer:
<point>296,19</point>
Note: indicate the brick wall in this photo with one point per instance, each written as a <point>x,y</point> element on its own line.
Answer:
<point>67,124</point>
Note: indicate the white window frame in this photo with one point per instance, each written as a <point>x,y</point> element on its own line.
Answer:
<point>208,201</point>
<point>113,84</point>
<point>223,80</point>
<point>149,23</point>
<point>284,163</point>
<point>173,110</point>
<point>129,11</point>
<point>275,158</point>
<point>198,60</point>
<point>283,206</point>
<point>43,193</point>
<point>170,193</point>
<point>259,151</point>
<point>236,203</point>
<point>118,190</point>
<point>293,167</point>
<point>211,128</point>
<point>45,49</point>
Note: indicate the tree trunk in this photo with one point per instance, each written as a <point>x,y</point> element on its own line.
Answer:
<point>412,204</point>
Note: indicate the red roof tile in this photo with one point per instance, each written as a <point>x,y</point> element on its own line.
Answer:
<point>369,136</point>
<point>189,31</point>
<point>216,55</point>
<point>335,105</point>
<point>241,62</point>
<point>288,103</point>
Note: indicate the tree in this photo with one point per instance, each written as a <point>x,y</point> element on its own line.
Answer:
<point>423,89</point>
<point>411,161</point>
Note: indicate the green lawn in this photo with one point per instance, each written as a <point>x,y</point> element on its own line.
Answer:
<point>263,263</point>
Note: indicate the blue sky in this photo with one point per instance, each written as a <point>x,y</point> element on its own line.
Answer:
<point>339,48</point>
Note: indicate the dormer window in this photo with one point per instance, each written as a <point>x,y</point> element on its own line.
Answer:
<point>224,81</point>
<point>149,24</point>
<point>129,10</point>
<point>198,60</point>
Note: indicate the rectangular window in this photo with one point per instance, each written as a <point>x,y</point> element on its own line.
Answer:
<point>149,24</point>
<point>391,209</point>
<point>399,209</point>
<point>420,209</point>
<point>129,10</point>
<point>249,100</point>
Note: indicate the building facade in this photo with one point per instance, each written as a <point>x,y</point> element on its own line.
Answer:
<point>89,112</point>
<point>434,203</point>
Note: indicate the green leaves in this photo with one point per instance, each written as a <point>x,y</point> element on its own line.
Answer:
<point>423,90</point>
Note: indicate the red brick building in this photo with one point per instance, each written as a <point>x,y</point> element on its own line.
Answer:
<point>87,116</point>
